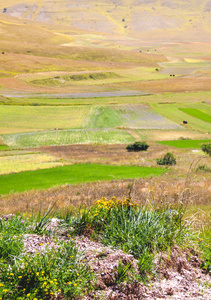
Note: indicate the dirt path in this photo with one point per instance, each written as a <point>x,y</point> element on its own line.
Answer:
<point>79,95</point>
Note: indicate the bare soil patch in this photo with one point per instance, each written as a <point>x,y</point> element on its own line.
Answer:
<point>112,154</point>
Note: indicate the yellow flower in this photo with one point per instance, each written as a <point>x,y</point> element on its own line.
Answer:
<point>1,284</point>
<point>37,273</point>
<point>5,291</point>
<point>28,295</point>
<point>75,284</point>
<point>11,274</point>
<point>19,276</point>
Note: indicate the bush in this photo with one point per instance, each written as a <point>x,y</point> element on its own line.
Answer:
<point>168,159</point>
<point>138,146</point>
<point>207,148</point>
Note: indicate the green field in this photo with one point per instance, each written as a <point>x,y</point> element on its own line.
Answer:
<point>28,118</point>
<point>197,114</point>
<point>173,112</point>
<point>72,174</point>
<point>183,144</point>
<point>4,147</point>
<point>134,116</point>
<point>66,137</point>
<point>104,117</point>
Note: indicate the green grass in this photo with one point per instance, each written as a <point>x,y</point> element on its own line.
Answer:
<point>183,144</point>
<point>66,137</point>
<point>155,229</point>
<point>197,114</point>
<point>4,147</point>
<point>104,117</point>
<point>72,174</point>
<point>19,118</point>
<point>173,112</point>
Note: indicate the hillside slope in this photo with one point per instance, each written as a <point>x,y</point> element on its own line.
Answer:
<point>158,19</point>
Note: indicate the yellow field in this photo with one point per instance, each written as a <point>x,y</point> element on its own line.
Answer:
<point>25,162</point>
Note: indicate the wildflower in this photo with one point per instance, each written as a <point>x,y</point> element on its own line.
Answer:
<point>1,284</point>
<point>5,291</point>
<point>75,284</point>
<point>19,277</point>
<point>28,295</point>
<point>22,221</point>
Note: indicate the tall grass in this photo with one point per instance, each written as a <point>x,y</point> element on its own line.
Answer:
<point>140,231</point>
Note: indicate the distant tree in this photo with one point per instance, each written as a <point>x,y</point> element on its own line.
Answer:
<point>207,148</point>
<point>168,159</point>
<point>137,146</point>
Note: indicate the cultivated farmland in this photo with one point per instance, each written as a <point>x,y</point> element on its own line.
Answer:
<point>33,118</point>
<point>174,112</point>
<point>81,173</point>
<point>197,114</point>
<point>65,137</point>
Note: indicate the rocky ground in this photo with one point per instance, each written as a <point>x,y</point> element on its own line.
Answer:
<point>178,272</point>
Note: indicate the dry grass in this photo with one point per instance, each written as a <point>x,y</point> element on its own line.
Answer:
<point>118,155</point>
<point>157,191</point>
<point>175,84</point>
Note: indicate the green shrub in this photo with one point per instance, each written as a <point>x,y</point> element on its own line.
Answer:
<point>168,159</point>
<point>138,146</point>
<point>207,148</point>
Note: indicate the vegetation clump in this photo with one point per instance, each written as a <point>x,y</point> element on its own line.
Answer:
<point>206,148</point>
<point>137,146</point>
<point>168,159</point>
<point>53,272</point>
<point>137,230</point>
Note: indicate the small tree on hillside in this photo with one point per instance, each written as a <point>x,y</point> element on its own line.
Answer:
<point>168,159</point>
<point>206,148</point>
<point>137,146</point>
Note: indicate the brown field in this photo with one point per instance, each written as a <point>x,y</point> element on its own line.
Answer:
<point>118,155</point>
<point>175,84</point>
